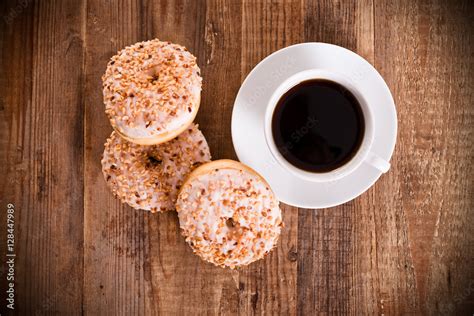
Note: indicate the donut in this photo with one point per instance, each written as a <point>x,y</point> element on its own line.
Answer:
<point>149,177</point>
<point>152,91</point>
<point>228,214</point>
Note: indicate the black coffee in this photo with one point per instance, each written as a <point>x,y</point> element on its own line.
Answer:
<point>318,125</point>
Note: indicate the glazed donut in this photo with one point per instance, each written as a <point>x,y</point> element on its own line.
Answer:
<point>228,214</point>
<point>152,91</point>
<point>149,177</point>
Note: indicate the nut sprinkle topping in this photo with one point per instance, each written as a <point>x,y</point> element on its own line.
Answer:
<point>228,214</point>
<point>151,88</point>
<point>149,177</point>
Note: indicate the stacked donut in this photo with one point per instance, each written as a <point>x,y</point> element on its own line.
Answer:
<point>157,159</point>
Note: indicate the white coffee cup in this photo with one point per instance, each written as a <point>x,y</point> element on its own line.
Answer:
<point>363,154</point>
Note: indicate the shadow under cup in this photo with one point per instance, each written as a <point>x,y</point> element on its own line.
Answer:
<point>319,127</point>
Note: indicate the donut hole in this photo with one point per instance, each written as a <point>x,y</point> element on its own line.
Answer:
<point>154,78</point>
<point>230,222</point>
<point>153,161</point>
<point>153,75</point>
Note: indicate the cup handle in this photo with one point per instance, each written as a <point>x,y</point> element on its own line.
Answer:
<point>379,163</point>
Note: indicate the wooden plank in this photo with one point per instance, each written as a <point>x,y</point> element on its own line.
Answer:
<point>42,152</point>
<point>347,265</point>
<point>428,62</point>
<point>15,99</point>
<point>116,238</point>
<point>269,286</point>
<point>325,241</point>
<point>184,284</point>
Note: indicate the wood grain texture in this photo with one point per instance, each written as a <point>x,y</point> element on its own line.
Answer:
<point>324,236</point>
<point>431,78</point>
<point>115,236</point>
<point>42,142</point>
<point>406,246</point>
<point>337,267</point>
<point>200,288</point>
<point>270,285</point>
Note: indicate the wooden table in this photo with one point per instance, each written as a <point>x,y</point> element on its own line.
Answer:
<point>404,247</point>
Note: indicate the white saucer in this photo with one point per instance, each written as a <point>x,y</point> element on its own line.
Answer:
<point>249,111</point>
